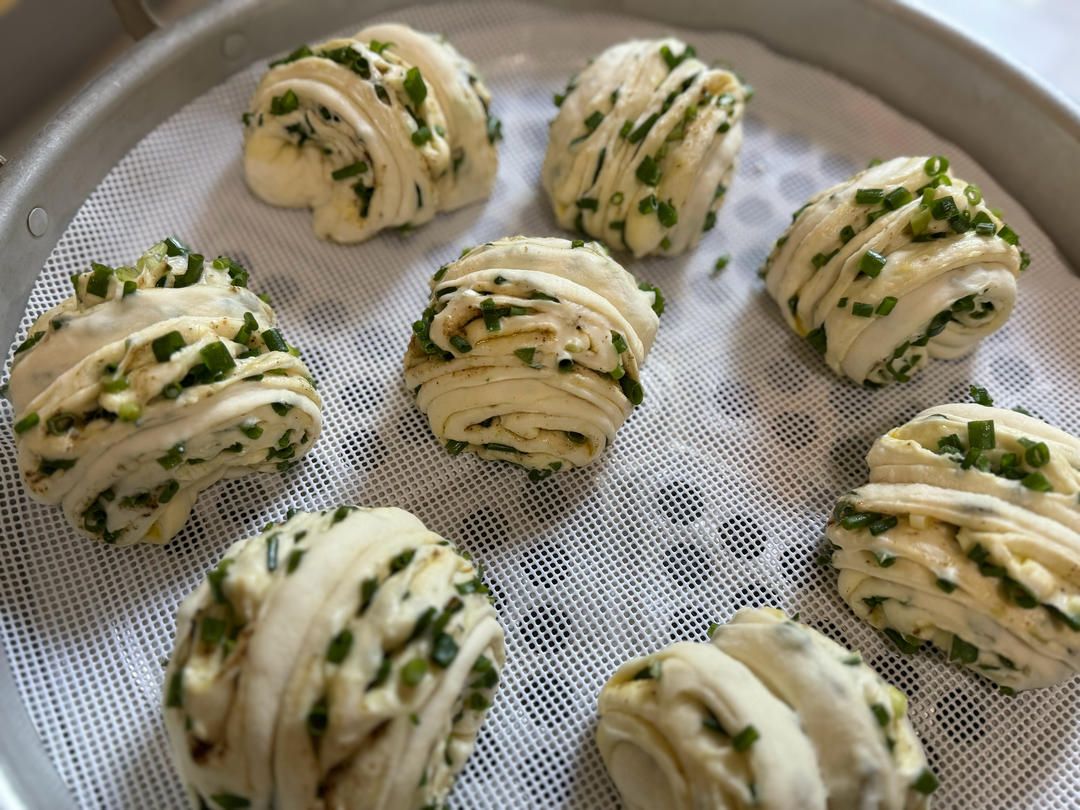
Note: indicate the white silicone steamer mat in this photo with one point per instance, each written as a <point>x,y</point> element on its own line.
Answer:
<point>713,497</point>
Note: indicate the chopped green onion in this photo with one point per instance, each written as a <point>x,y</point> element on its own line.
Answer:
<point>129,412</point>
<point>217,358</point>
<point>919,221</point>
<point>981,396</point>
<point>619,342</point>
<point>525,355</point>
<point>339,646</point>
<point>896,198</point>
<point>1037,482</point>
<point>414,671</point>
<point>882,525</point>
<point>616,198</point>
<point>936,165</point>
<point>173,457</point>
<point>351,170</point>
<point>648,172</point>
<point>285,103</point>
<point>174,694</point>
<point>649,672</point>
<point>962,651</point>
<point>27,422</point>
<point>869,196</point>
<point>881,714</point>
<point>647,204</point>
<point>667,214</point>
<point>453,446</point>
<point>946,585</point>
<point>658,297</point>
<point>944,208</point>
<point>1037,455</point>
<point>847,233</point>
<point>981,434</point>
<point>643,129</point>
<point>886,305</point>
<point>461,344</point>
<point>295,556</point>
<point>299,53</point>
<point>575,438</point>
<point>745,738</point>
<point>632,389</point>
<point>1009,235</point>
<point>443,650</point>
<point>98,283</point>
<point>973,194</point>
<point>862,310</point>
<point>927,783</point>
<point>871,263</point>
<point>165,346</point>
<point>274,341</point>
<point>906,644</point>
<point>421,136</point>
<point>415,87</point>
<point>818,339</point>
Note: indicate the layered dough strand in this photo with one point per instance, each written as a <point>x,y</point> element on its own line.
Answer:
<point>896,266</point>
<point>968,536</point>
<point>769,714</point>
<point>149,385</point>
<point>340,659</point>
<point>530,351</point>
<point>643,149</point>
<point>379,130</point>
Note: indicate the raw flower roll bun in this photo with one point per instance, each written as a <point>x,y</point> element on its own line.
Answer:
<point>341,659</point>
<point>149,385</point>
<point>379,130</point>
<point>968,536</point>
<point>768,714</point>
<point>896,266</point>
<point>530,351</point>
<point>644,145</point>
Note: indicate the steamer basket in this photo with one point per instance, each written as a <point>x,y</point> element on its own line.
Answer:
<point>714,495</point>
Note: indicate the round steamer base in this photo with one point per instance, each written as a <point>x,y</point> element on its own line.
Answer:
<point>714,495</point>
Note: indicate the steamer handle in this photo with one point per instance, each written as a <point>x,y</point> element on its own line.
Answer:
<point>136,17</point>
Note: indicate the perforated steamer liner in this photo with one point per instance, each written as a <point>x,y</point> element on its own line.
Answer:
<point>713,496</point>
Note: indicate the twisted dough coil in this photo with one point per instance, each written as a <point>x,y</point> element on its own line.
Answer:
<point>379,130</point>
<point>530,351</point>
<point>893,267</point>
<point>148,386</point>
<point>768,714</point>
<point>340,659</point>
<point>968,536</point>
<point>643,148</point>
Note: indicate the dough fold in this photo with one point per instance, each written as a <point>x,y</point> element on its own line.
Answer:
<point>895,266</point>
<point>643,148</point>
<point>151,384</point>
<point>968,536</point>
<point>530,351</point>
<point>768,714</point>
<point>379,130</point>
<point>341,659</point>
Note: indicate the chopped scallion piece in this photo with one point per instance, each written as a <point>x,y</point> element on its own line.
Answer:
<point>27,422</point>
<point>871,263</point>
<point>886,305</point>
<point>414,85</point>
<point>936,165</point>
<point>165,346</point>
<point>869,196</point>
